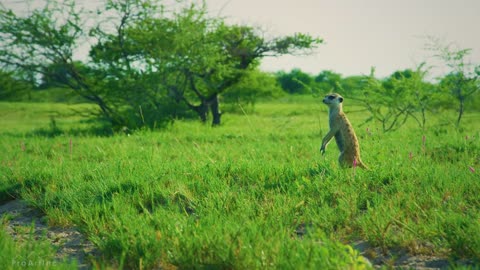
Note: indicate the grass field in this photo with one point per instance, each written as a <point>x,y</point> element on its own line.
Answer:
<point>254,193</point>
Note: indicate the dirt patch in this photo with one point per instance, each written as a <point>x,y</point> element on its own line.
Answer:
<point>400,259</point>
<point>396,258</point>
<point>70,243</point>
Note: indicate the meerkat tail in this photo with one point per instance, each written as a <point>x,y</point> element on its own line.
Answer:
<point>362,165</point>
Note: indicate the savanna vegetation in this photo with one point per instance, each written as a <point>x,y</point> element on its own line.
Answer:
<point>116,144</point>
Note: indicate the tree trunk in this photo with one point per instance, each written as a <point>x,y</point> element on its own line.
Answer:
<point>202,111</point>
<point>215,109</point>
<point>424,118</point>
<point>460,109</point>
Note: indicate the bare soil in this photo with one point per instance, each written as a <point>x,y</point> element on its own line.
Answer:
<point>24,220</point>
<point>398,259</point>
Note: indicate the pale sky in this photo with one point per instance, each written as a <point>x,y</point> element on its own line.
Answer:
<point>359,34</point>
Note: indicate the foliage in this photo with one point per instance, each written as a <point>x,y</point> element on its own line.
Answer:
<point>353,85</point>
<point>253,86</point>
<point>12,88</point>
<point>295,82</point>
<point>148,64</point>
<point>44,43</point>
<point>421,95</point>
<point>329,81</point>
<point>463,80</point>
<point>403,95</point>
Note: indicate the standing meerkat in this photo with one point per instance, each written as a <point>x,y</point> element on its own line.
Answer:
<point>342,130</point>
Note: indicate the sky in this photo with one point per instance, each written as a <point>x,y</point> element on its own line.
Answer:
<point>358,34</point>
<point>389,35</point>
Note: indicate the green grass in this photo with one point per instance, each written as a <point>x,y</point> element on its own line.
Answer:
<point>237,195</point>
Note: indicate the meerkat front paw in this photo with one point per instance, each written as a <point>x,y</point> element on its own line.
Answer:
<point>322,149</point>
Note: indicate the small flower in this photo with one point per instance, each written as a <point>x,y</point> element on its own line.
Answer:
<point>471,169</point>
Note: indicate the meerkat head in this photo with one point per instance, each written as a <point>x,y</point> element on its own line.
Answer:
<point>333,99</point>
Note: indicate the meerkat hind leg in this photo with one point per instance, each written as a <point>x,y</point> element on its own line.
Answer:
<point>339,141</point>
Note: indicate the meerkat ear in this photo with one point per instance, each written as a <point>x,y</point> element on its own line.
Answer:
<point>341,99</point>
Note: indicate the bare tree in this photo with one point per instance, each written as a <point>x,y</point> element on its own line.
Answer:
<point>462,81</point>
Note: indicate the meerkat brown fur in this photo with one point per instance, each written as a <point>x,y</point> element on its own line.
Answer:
<point>342,130</point>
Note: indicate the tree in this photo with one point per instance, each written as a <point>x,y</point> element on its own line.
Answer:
<point>12,88</point>
<point>329,81</point>
<point>242,48</point>
<point>35,43</point>
<point>295,82</point>
<point>415,91</point>
<point>126,72</point>
<point>462,81</point>
<point>253,85</point>
<point>353,84</point>
<point>196,57</point>
<point>147,62</point>
<point>403,95</point>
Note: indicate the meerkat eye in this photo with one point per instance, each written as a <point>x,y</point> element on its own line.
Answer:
<point>331,97</point>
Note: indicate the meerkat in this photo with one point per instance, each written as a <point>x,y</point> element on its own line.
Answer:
<point>342,130</point>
